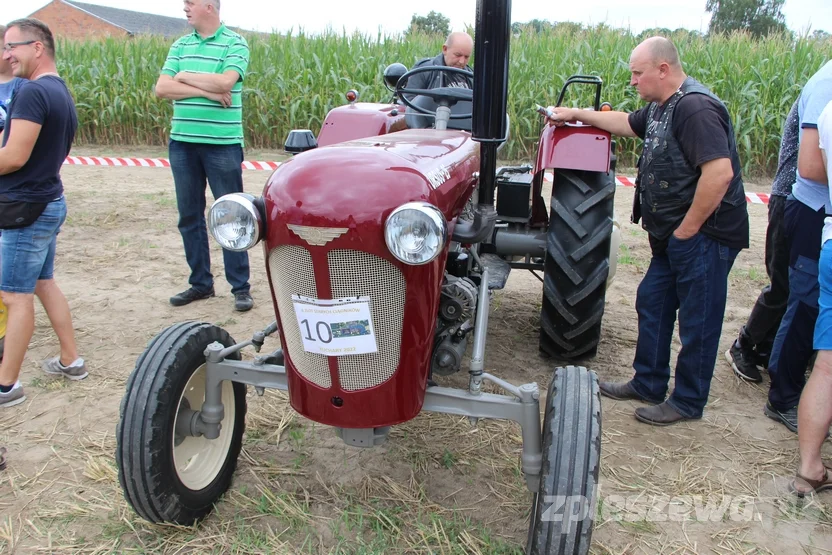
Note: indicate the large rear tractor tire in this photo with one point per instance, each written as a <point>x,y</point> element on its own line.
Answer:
<point>564,509</point>
<point>577,263</point>
<point>167,477</point>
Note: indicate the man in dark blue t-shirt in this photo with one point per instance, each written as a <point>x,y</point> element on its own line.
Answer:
<point>39,131</point>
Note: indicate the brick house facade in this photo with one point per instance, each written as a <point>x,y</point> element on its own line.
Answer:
<point>77,20</point>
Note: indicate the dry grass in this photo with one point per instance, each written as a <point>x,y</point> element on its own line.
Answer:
<point>437,486</point>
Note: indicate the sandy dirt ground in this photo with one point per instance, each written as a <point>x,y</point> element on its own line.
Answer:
<point>437,485</point>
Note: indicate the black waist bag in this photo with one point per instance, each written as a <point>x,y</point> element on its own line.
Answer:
<point>15,214</point>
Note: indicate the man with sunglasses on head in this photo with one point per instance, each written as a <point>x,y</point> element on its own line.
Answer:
<point>40,128</point>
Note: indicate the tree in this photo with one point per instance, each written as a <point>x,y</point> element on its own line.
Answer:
<point>654,32</point>
<point>533,26</point>
<point>759,17</point>
<point>820,34</point>
<point>433,24</point>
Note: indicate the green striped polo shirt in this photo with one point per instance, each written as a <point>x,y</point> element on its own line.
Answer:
<point>197,119</point>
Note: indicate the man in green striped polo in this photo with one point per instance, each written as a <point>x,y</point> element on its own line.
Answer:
<point>203,75</point>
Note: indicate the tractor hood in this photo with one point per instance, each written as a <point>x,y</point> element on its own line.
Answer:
<point>360,182</point>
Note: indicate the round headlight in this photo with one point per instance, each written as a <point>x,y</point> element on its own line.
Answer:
<point>235,222</point>
<point>416,232</point>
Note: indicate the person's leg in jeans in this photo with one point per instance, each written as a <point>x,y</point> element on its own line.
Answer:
<point>55,304</point>
<point>223,168</point>
<point>189,181</point>
<point>794,339</point>
<point>26,253</point>
<point>792,348</point>
<point>656,304</point>
<point>701,266</point>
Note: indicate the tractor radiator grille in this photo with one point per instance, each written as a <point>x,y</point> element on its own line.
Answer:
<point>360,274</point>
<point>292,274</point>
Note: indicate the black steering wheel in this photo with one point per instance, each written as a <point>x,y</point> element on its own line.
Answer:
<point>442,95</point>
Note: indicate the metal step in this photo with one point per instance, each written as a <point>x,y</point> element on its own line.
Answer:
<point>498,270</point>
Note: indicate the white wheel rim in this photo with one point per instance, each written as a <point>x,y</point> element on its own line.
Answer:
<point>198,460</point>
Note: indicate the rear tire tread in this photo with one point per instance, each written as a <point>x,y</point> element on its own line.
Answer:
<point>577,265</point>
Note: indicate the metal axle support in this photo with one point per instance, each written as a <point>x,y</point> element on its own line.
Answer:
<point>480,330</point>
<point>522,404</point>
<point>523,407</point>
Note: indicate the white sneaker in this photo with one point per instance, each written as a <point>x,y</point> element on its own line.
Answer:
<point>13,397</point>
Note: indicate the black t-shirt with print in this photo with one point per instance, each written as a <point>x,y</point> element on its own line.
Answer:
<point>701,126</point>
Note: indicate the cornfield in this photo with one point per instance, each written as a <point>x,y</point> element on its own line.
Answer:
<point>293,81</point>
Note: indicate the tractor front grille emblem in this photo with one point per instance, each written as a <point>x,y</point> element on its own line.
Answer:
<point>318,236</point>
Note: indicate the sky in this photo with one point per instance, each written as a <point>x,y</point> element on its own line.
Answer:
<point>372,16</point>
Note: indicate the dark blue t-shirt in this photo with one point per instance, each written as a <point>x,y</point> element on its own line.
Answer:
<point>7,91</point>
<point>45,101</point>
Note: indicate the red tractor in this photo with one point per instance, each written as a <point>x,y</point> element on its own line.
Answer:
<point>383,247</point>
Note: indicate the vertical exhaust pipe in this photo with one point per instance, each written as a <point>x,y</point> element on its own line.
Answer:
<point>491,49</point>
<point>493,33</point>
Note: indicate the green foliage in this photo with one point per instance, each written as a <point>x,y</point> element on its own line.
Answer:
<point>533,26</point>
<point>295,80</point>
<point>759,17</point>
<point>432,24</point>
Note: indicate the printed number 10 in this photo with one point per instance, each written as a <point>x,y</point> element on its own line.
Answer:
<point>326,337</point>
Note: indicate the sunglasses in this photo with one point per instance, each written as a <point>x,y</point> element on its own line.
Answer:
<point>12,45</point>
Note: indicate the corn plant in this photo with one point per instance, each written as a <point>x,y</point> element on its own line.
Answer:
<point>295,79</point>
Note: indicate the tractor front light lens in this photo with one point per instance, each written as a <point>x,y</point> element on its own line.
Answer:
<point>416,232</point>
<point>235,222</point>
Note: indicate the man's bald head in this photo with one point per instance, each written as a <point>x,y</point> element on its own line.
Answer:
<point>457,49</point>
<point>659,50</point>
<point>458,37</point>
<point>656,69</point>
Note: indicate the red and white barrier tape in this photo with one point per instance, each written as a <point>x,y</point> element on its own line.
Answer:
<point>752,198</point>
<point>148,162</point>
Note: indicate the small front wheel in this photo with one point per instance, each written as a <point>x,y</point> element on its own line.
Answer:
<point>167,476</point>
<point>563,510</point>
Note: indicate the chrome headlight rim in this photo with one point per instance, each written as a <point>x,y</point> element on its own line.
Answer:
<point>434,215</point>
<point>245,201</point>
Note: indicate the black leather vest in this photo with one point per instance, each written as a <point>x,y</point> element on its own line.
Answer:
<point>666,181</point>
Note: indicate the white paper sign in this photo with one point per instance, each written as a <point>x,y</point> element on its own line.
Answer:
<point>336,327</point>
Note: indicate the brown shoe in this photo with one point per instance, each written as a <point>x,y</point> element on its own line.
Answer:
<point>802,486</point>
<point>660,415</point>
<point>622,391</point>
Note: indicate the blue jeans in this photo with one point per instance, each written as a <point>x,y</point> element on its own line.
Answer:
<point>792,348</point>
<point>823,327</point>
<point>28,253</point>
<point>690,276</point>
<point>192,164</point>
